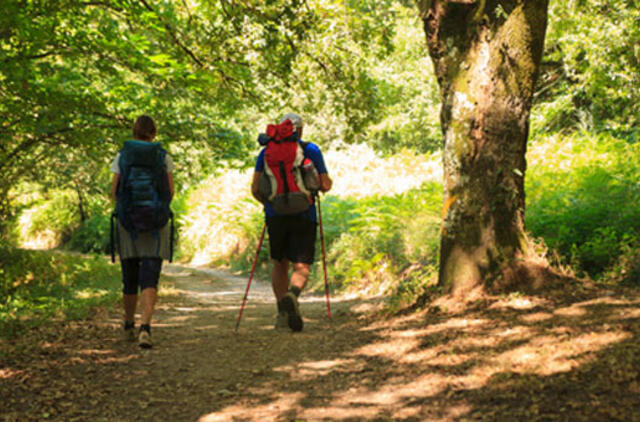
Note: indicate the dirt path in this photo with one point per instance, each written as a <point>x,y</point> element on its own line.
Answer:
<point>509,358</point>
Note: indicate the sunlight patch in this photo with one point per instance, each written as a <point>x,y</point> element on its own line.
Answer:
<point>518,332</point>
<point>629,313</point>
<point>451,359</point>
<point>394,391</point>
<point>261,412</point>
<point>6,373</point>
<point>551,354</point>
<point>388,349</point>
<point>90,293</point>
<point>325,364</point>
<point>536,317</point>
<point>462,323</point>
<point>571,311</point>
<point>89,352</point>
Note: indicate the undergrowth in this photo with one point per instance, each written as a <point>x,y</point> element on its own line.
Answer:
<point>582,203</point>
<point>40,287</point>
<point>583,199</point>
<point>382,218</point>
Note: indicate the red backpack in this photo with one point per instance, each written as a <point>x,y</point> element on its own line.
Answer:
<point>286,170</point>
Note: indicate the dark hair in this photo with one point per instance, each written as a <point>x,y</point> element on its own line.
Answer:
<point>144,128</point>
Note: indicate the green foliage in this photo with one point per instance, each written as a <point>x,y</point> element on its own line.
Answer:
<point>44,287</point>
<point>591,69</point>
<point>583,200</point>
<point>92,235</point>
<point>74,75</point>
<point>380,236</point>
<point>369,242</point>
<point>56,215</point>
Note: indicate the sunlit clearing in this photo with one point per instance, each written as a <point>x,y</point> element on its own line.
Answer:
<point>44,239</point>
<point>220,206</point>
<point>357,171</point>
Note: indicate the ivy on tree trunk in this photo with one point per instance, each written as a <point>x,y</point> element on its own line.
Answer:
<point>486,56</point>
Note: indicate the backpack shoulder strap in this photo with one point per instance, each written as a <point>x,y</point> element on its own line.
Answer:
<point>124,170</point>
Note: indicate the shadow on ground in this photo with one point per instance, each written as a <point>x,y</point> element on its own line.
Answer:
<point>514,358</point>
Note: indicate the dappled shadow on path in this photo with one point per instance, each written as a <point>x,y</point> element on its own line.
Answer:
<point>519,357</point>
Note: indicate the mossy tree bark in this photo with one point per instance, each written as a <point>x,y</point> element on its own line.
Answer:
<point>486,56</point>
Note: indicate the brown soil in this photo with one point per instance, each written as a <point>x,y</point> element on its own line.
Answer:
<point>518,358</point>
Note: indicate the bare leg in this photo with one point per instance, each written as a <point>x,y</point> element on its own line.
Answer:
<point>147,303</point>
<point>289,302</point>
<point>300,275</point>
<point>280,278</point>
<point>129,302</point>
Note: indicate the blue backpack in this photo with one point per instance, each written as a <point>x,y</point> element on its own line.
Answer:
<point>142,194</point>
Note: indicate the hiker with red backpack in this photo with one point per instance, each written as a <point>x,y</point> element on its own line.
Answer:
<point>288,173</point>
<point>142,188</point>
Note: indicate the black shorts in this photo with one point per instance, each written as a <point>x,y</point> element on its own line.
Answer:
<point>292,237</point>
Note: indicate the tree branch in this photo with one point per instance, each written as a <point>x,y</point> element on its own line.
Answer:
<point>172,33</point>
<point>30,57</point>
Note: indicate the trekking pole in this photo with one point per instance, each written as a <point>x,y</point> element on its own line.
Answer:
<point>324,261</point>
<point>253,268</point>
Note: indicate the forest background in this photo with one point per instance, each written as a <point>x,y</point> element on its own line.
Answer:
<point>75,74</point>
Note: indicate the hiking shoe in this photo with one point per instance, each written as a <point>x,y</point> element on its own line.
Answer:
<point>129,332</point>
<point>144,339</point>
<point>290,305</point>
<point>281,321</point>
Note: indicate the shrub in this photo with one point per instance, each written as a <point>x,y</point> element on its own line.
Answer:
<point>37,287</point>
<point>582,198</point>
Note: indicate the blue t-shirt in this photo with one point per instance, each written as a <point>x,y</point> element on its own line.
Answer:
<point>312,152</point>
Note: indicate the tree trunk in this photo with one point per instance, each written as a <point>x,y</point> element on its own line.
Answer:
<point>83,216</point>
<point>486,56</point>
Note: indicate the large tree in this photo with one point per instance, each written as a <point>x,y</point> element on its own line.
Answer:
<point>486,55</point>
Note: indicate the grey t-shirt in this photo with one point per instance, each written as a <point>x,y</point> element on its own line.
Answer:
<point>145,245</point>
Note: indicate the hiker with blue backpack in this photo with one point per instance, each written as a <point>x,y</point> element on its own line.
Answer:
<point>288,174</point>
<point>142,188</point>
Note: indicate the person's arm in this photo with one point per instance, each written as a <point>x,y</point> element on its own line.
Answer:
<point>255,191</point>
<point>325,182</point>
<point>170,177</point>
<point>169,166</point>
<point>313,152</point>
<point>114,185</point>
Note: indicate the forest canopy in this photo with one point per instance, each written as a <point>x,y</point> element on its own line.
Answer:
<point>75,74</point>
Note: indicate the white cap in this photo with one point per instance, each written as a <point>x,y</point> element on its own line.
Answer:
<point>295,119</point>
